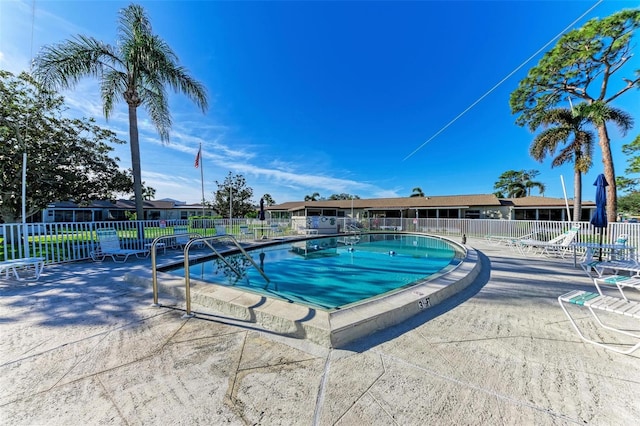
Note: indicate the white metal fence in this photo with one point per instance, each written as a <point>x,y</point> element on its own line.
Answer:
<point>67,242</point>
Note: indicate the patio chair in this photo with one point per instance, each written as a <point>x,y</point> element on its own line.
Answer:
<point>614,265</point>
<point>245,232</point>
<point>611,305</point>
<point>276,231</point>
<point>182,237</point>
<point>24,264</point>
<point>109,245</point>
<point>558,245</point>
<point>510,242</point>
<point>619,281</point>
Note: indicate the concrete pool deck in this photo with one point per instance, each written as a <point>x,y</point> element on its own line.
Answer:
<point>82,346</point>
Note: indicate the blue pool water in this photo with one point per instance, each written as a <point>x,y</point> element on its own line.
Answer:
<point>333,272</point>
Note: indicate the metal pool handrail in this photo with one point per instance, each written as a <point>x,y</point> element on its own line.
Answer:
<point>207,241</point>
<point>154,270</point>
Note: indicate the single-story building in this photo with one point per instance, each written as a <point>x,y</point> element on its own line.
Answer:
<point>96,211</point>
<point>481,206</point>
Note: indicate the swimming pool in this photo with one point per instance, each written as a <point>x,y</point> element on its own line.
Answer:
<point>332,273</point>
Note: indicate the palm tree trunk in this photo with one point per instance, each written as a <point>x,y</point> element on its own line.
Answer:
<point>577,196</point>
<point>135,161</point>
<point>609,173</point>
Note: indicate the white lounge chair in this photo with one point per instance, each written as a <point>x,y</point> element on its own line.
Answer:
<point>245,232</point>
<point>276,231</point>
<point>556,246</point>
<point>614,265</point>
<point>510,242</point>
<point>619,281</point>
<point>181,236</point>
<point>221,230</point>
<point>109,245</point>
<point>611,305</point>
<point>25,264</point>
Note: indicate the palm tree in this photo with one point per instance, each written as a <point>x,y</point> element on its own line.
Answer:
<point>148,193</point>
<point>599,114</point>
<point>565,126</point>
<point>268,199</point>
<point>528,183</point>
<point>417,192</point>
<point>516,190</point>
<point>517,184</point>
<point>312,197</point>
<point>135,70</point>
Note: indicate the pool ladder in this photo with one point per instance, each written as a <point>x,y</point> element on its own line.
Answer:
<point>353,237</point>
<point>199,239</point>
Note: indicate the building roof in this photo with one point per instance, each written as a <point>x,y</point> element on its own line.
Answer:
<point>166,204</point>
<point>430,202</point>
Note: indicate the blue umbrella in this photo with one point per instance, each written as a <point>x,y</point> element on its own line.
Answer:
<point>599,219</point>
<point>261,215</point>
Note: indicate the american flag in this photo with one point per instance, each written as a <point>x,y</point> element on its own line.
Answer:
<point>197,163</point>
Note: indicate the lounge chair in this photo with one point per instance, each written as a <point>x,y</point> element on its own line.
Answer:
<point>615,265</point>
<point>181,236</point>
<point>276,231</point>
<point>221,230</point>
<point>245,232</point>
<point>306,231</point>
<point>558,245</point>
<point>612,305</point>
<point>510,242</point>
<point>34,264</point>
<point>619,281</point>
<point>109,245</point>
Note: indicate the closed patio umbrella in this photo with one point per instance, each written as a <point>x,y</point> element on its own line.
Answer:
<point>599,219</point>
<point>261,215</point>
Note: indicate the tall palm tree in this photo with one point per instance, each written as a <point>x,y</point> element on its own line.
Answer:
<point>417,192</point>
<point>312,197</point>
<point>135,70</point>
<point>565,126</point>
<point>599,114</point>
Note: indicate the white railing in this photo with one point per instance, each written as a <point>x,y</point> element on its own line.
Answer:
<point>72,241</point>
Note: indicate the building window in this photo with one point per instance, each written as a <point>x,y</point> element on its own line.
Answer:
<point>448,213</point>
<point>472,214</point>
<point>83,216</point>
<point>525,214</point>
<point>64,216</point>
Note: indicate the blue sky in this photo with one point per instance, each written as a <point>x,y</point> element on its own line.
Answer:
<point>333,97</point>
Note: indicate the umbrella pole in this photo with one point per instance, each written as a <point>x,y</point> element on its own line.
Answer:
<point>601,232</point>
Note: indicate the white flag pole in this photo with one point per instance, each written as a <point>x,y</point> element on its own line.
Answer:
<point>199,164</point>
<point>566,201</point>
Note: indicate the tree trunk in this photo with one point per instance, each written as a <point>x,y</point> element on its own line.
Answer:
<point>609,173</point>
<point>577,196</point>
<point>135,161</point>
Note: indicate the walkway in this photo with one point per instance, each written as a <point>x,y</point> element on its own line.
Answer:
<point>82,346</point>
